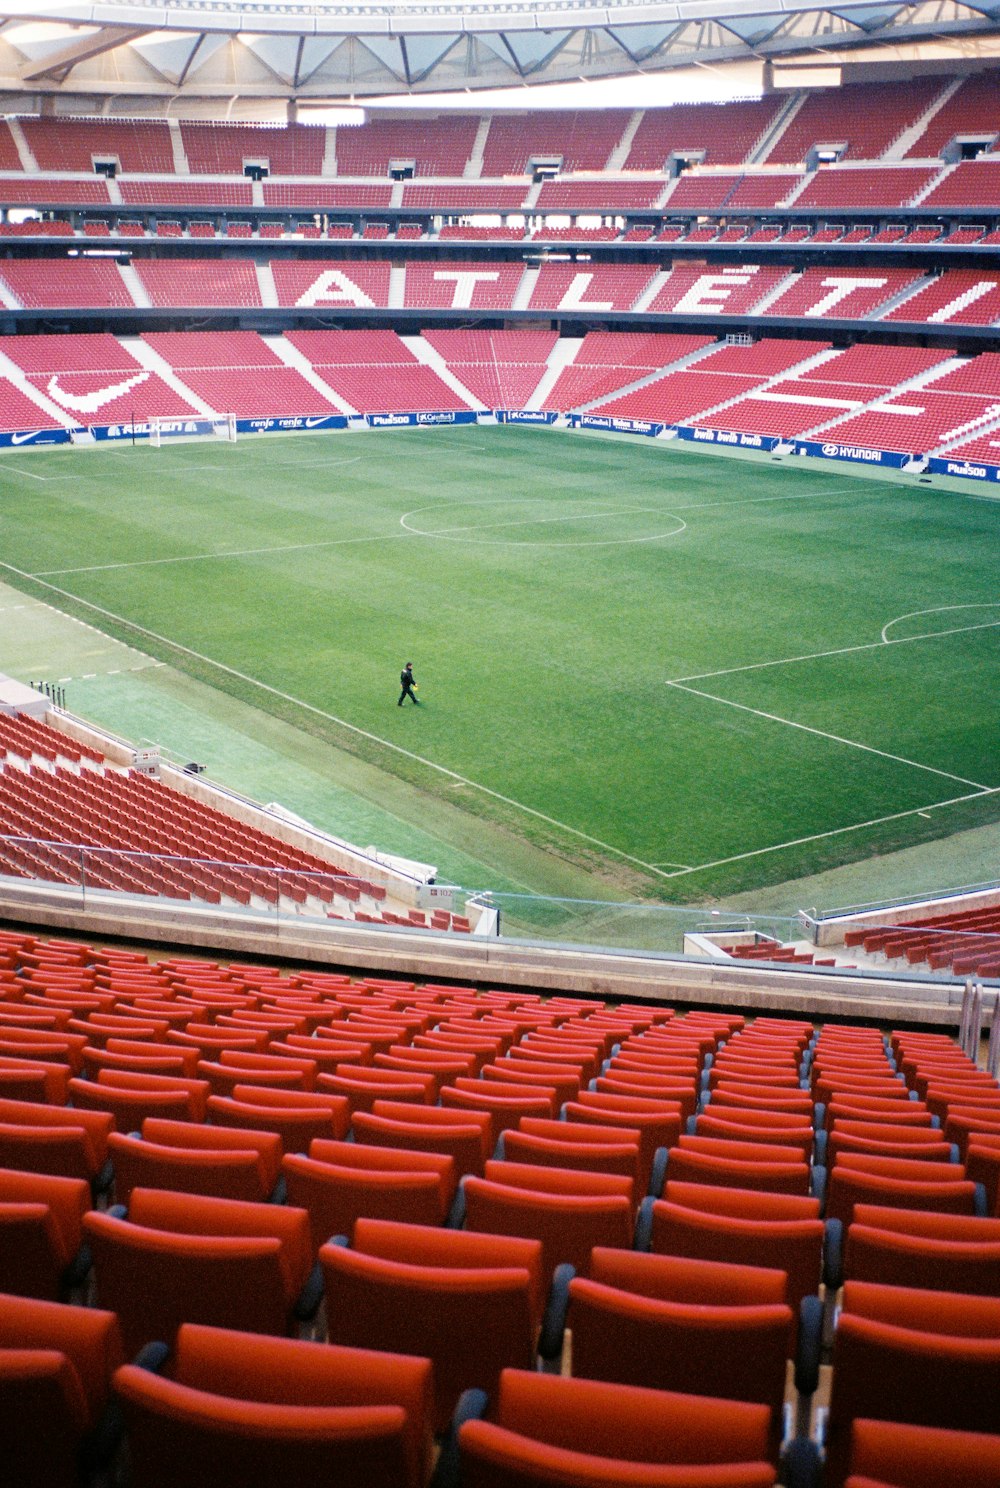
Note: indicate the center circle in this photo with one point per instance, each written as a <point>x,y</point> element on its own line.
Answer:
<point>467,532</point>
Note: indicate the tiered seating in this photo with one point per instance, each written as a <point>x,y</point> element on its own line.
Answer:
<point>760,190</point>
<point>704,193</point>
<point>374,372</point>
<point>18,412</point>
<point>52,192</point>
<point>219,149</point>
<point>597,286</point>
<point>500,368</point>
<point>958,296</point>
<point>915,422</point>
<point>863,187</point>
<point>606,195</point>
<point>694,289</point>
<point>158,841</point>
<point>879,366</point>
<point>320,196</point>
<point>197,282</point>
<point>867,117</point>
<point>841,294</point>
<point>583,140</point>
<point>728,133</point>
<point>438,146</point>
<point>836,386</point>
<point>462,285</point>
<point>237,372</point>
<point>690,1219</point>
<point>790,408</point>
<point>679,397</point>
<point>458,231</point>
<point>319,281</point>
<point>186,193</point>
<point>94,378</point>
<point>70,144</point>
<point>71,282</point>
<point>964,941</point>
<point>607,360</point>
<point>471,196</point>
<point>972,183</point>
<point>10,160</point>
<point>972,110</point>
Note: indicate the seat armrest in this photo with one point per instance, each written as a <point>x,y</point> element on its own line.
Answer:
<point>800,1464</point>
<point>643,1237</point>
<point>550,1341</point>
<point>819,1174</point>
<point>833,1254</point>
<point>658,1173</point>
<point>810,1343</point>
<point>311,1295</point>
<point>471,1407</point>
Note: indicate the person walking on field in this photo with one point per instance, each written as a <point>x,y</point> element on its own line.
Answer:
<point>409,686</point>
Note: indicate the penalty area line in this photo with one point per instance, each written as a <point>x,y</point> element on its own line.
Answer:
<point>875,821</point>
<point>352,728</point>
<point>806,728</point>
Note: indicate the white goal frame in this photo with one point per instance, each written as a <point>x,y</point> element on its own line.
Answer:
<point>223,427</point>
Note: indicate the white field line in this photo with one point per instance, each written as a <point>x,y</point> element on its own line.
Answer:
<point>875,821</point>
<point>55,573</point>
<point>342,723</point>
<point>31,474</point>
<point>834,738</point>
<point>759,666</point>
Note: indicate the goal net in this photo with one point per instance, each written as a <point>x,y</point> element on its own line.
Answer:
<point>161,428</point>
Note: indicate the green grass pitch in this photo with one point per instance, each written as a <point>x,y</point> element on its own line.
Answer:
<point>690,674</point>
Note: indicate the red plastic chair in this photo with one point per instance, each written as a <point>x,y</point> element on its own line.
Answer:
<point>547,1430</point>
<point>471,1303</point>
<point>901,1456</point>
<point>891,1342</point>
<point>256,1411</point>
<point>185,1258</point>
<point>56,1364</point>
<point>41,1232</point>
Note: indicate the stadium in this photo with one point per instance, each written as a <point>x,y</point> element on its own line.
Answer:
<point>579,1066</point>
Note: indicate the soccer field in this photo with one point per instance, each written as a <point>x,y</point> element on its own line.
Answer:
<point>689,674</point>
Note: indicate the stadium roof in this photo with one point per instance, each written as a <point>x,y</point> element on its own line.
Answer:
<point>125,50</point>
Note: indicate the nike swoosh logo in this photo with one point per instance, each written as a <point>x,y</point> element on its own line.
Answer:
<point>91,402</point>
<point>314,423</point>
<point>23,438</point>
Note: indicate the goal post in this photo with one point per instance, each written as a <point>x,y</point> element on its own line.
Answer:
<point>170,427</point>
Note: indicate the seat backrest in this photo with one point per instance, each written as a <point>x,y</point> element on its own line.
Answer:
<point>65,1151</point>
<point>295,1127</point>
<point>88,1336</point>
<point>744,1203</point>
<point>671,1278</point>
<point>470,1321</point>
<point>924,1456</point>
<point>216,1172</point>
<point>775,1177</point>
<point>849,1186</point>
<point>794,1246</point>
<point>622,1158</point>
<point>737,1352</point>
<point>172,1429</point>
<point>97,1124</point>
<point>568,1226</point>
<point>335,1197</point>
<point>464,1145</point>
<point>155,1279</point>
<point>882,1368</point>
<point>292,1372</point>
<point>191,1136</point>
<point>892,1258</point>
<point>658,1426</point>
